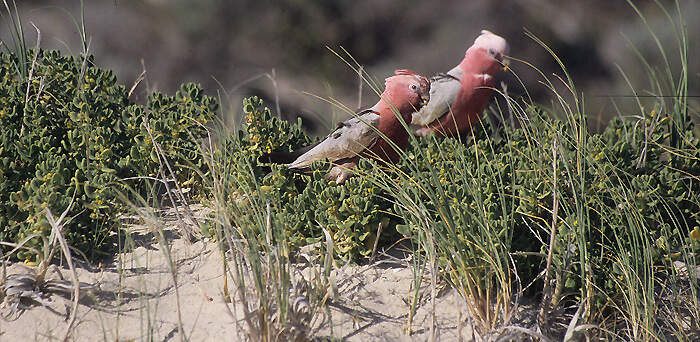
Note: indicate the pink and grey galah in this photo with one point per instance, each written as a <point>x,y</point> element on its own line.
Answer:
<point>459,97</point>
<point>374,133</point>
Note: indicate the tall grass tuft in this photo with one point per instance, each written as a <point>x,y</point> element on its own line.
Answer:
<point>19,45</point>
<point>277,302</point>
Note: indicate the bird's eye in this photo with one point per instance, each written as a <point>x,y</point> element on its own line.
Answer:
<point>413,87</point>
<point>492,52</point>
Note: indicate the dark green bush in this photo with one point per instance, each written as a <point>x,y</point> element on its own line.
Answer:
<point>73,136</point>
<point>178,123</point>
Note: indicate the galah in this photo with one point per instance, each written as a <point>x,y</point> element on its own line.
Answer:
<point>458,97</point>
<point>371,133</point>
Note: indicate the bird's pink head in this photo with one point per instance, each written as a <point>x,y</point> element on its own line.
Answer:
<point>407,91</point>
<point>487,53</point>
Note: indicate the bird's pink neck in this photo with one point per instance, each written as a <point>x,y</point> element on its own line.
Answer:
<point>391,127</point>
<point>477,61</point>
<point>388,119</point>
<point>388,112</point>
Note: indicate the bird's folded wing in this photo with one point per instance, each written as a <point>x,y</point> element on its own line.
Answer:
<point>348,140</point>
<point>443,91</point>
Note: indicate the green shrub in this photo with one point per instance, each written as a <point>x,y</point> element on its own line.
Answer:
<point>303,204</point>
<point>73,136</point>
<point>177,123</point>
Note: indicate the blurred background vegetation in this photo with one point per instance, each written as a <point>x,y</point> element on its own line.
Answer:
<point>230,46</point>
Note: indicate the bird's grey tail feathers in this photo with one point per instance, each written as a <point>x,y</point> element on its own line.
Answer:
<point>285,157</point>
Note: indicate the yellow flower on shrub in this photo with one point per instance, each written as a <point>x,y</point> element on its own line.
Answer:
<point>695,234</point>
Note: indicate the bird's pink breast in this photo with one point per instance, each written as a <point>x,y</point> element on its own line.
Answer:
<point>471,100</point>
<point>391,127</point>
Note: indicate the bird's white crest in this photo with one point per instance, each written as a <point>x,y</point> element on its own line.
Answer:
<point>489,40</point>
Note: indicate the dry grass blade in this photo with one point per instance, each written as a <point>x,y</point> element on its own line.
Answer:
<point>433,284</point>
<point>3,277</point>
<point>360,70</point>
<point>547,291</point>
<point>31,73</point>
<point>573,324</point>
<point>380,226</point>
<point>57,231</point>
<point>138,81</point>
<point>273,78</point>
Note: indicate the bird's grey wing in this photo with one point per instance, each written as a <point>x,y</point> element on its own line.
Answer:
<point>350,138</point>
<point>443,91</point>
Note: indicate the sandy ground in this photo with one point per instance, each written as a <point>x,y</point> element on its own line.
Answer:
<point>135,300</point>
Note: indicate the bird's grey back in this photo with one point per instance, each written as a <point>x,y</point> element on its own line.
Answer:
<point>347,141</point>
<point>443,91</point>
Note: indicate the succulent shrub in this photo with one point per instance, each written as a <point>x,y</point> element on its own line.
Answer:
<point>304,204</point>
<point>70,135</point>
<point>62,138</point>
<point>178,124</point>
